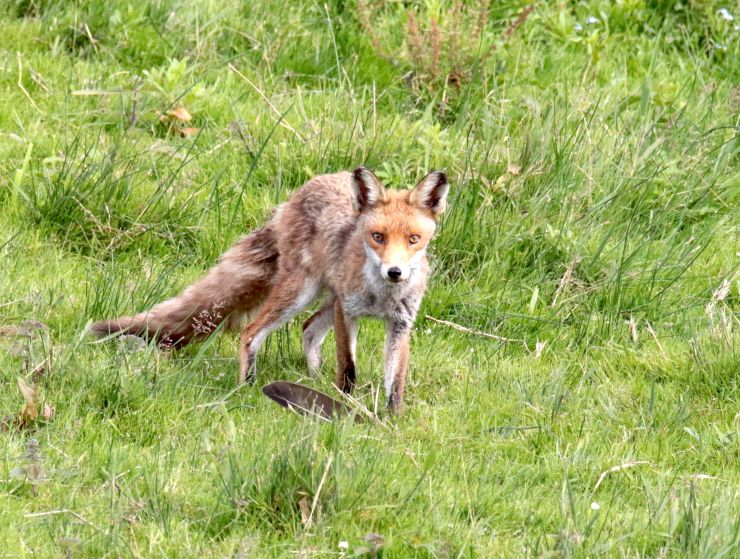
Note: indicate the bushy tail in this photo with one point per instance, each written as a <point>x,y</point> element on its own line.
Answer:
<point>235,286</point>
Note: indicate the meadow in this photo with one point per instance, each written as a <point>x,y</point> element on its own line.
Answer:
<point>579,399</point>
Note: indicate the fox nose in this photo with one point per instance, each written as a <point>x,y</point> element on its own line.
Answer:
<point>394,273</point>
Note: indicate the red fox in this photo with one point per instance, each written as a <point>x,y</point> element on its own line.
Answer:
<point>344,235</point>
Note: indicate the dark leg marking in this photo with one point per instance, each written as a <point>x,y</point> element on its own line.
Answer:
<point>350,378</point>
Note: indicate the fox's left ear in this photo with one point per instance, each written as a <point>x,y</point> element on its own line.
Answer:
<point>431,193</point>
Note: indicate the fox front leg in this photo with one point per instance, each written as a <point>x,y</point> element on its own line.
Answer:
<point>398,334</point>
<point>345,332</point>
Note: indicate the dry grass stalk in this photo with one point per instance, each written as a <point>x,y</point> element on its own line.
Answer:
<point>481,20</point>
<point>365,17</point>
<point>441,50</point>
<point>617,468</point>
<point>467,330</point>
<point>655,338</point>
<point>520,19</point>
<point>414,42</point>
<point>633,329</point>
<point>436,48</point>
<point>309,521</point>
<point>452,47</point>
<point>565,280</point>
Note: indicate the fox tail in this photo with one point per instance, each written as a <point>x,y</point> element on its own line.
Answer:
<point>237,285</point>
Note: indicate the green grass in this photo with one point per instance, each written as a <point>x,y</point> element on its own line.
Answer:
<point>609,248</point>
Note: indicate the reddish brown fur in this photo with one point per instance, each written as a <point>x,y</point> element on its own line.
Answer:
<point>399,372</point>
<point>346,377</point>
<point>237,285</point>
<point>398,219</point>
<point>320,241</point>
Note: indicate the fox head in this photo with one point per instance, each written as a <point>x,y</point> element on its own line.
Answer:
<point>397,225</point>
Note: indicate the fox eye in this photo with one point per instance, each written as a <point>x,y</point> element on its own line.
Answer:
<point>413,239</point>
<point>378,238</point>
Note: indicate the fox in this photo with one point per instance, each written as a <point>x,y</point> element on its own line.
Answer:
<point>344,236</point>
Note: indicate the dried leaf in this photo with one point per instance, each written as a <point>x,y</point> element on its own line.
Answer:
<point>633,328</point>
<point>22,331</point>
<point>30,411</point>
<point>376,542</point>
<point>49,412</point>
<point>40,370</point>
<point>34,473</point>
<point>29,326</point>
<point>305,510</point>
<point>181,114</point>
<point>374,539</point>
<point>8,331</point>
<point>514,169</point>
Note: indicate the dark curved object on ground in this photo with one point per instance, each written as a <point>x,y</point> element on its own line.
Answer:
<point>304,400</point>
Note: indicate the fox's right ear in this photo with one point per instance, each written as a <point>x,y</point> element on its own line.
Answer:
<point>367,190</point>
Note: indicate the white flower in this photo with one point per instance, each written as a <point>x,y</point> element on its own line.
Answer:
<point>595,506</point>
<point>578,28</point>
<point>720,46</point>
<point>591,20</point>
<point>726,15</point>
<point>344,545</point>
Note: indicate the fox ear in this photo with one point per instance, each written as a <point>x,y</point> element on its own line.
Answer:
<point>431,193</point>
<point>367,190</point>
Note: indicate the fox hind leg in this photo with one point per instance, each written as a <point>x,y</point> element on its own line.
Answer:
<point>289,297</point>
<point>315,330</point>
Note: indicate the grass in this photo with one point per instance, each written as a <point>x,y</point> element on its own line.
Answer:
<point>593,218</point>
